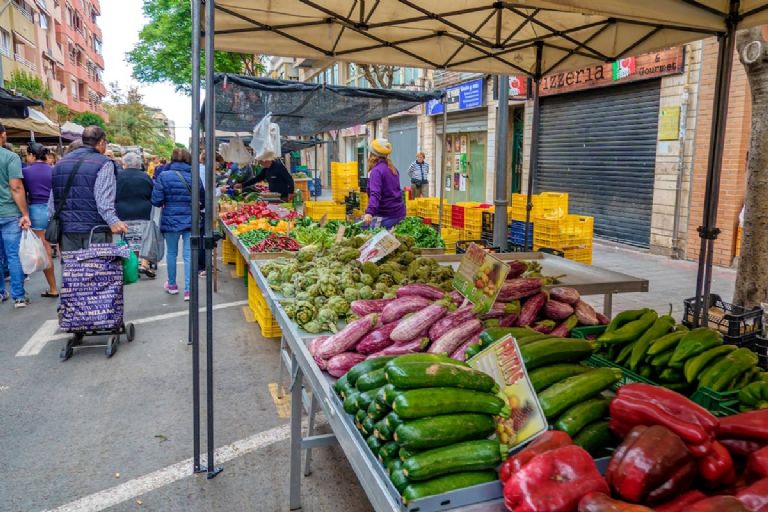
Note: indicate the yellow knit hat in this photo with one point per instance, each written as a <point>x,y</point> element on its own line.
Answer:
<point>381,147</point>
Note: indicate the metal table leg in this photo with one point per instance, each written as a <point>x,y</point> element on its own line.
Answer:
<point>310,431</point>
<point>607,304</point>
<point>296,406</point>
<point>280,367</point>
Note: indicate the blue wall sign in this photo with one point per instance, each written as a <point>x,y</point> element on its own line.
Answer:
<point>460,97</point>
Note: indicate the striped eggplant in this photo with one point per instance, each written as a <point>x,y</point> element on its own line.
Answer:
<point>531,309</point>
<point>418,323</point>
<point>449,342</point>
<point>460,353</point>
<point>604,320</point>
<point>564,294</point>
<point>585,313</point>
<point>450,321</point>
<point>564,329</point>
<point>509,320</point>
<point>348,337</point>
<point>376,340</point>
<point>398,308</point>
<point>519,288</point>
<point>407,347</point>
<point>556,310</point>
<point>366,307</point>
<point>516,268</point>
<point>340,364</point>
<point>313,346</point>
<point>544,326</point>
<point>456,297</point>
<point>420,290</point>
<point>500,309</point>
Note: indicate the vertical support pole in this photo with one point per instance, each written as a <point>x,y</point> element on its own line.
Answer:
<point>502,194</point>
<point>533,163</point>
<point>210,163</point>
<point>443,162</point>
<point>708,231</point>
<point>194,302</point>
<point>294,498</point>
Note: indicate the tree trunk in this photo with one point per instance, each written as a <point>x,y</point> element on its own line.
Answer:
<point>752,276</point>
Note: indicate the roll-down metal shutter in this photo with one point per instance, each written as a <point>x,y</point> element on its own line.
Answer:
<point>404,140</point>
<point>600,147</point>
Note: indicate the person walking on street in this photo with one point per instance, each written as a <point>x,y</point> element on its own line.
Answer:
<point>133,202</point>
<point>38,178</point>
<point>14,216</point>
<point>419,174</point>
<point>385,199</point>
<point>90,201</point>
<point>173,192</point>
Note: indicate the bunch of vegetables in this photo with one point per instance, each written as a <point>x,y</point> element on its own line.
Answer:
<point>662,351</point>
<point>425,236</point>
<point>276,243</point>
<point>251,238</point>
<point>309,232</point>
<point>247,212</point>
<point>427,419</point>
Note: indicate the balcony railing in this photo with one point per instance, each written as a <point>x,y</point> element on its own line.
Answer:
<point>24,62</point>
<point>6,51</point>
<point>27,14</point>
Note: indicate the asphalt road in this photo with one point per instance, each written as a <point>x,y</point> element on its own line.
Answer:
<point>94,433</point>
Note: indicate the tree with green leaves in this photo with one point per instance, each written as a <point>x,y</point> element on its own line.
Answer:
<point>162,53</point>
<point>89,119</point>
<point>29,85</point>
<point>131,123</point>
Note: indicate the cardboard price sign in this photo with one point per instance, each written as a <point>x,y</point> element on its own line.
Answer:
<point>503,362</point>
<point>480,277</point>
<point>380,245</point>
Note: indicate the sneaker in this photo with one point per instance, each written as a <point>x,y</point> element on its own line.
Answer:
<point>4,296</point>
<point>172,289</point>
<point>202,274</point>
<point>186,296</point>
<point>20,303</point>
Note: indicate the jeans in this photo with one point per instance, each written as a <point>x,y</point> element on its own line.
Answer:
<point>38,215</point>
<point>171,253</point>
<point>10,236</point>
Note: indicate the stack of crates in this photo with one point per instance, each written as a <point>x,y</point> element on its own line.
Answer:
<point>517,210</point>
<point>261,312</point>
<point>450,236</point>
<point>429,208</point>
<point>473,221</point>
<point>344,180</point>
<point>547,204</point>
<point>333,211</point>
<point>228,252</point>
<point>411,207</point>
<point>570,234</point>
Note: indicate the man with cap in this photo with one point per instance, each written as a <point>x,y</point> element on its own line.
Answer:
<point>385,198</point>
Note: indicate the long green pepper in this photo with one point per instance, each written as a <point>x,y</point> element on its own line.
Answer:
<point>660,327</point>
<point>630,331</point>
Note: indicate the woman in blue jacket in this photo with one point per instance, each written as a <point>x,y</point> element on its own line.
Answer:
<point>173,192</point>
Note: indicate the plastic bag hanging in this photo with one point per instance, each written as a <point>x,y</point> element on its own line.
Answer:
<point>32,253</point>
<point>266,139</point>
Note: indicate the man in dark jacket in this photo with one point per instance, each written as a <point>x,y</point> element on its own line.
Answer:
<point>276,175</point>
<point>91,200</point>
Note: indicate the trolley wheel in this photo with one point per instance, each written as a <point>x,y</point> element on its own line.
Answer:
<point>77,339</point>
<point>130,332</point>
<point>66,352</point>
<point>112,346</point>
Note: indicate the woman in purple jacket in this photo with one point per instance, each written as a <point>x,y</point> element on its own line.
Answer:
<point>38,178</point>
<point>385,199</point>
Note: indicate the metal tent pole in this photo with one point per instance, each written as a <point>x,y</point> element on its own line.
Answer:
<point>502,194</point>
<point>443,162</point>
<point>708,231</point>
<point>210,162</point>
<point>194,302</point>
<point>534,157</point>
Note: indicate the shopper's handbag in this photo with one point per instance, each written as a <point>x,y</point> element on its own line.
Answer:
<point>152,246</point>
<point>54,230</point>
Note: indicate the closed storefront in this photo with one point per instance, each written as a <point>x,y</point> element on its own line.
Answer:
<point>404,139</point>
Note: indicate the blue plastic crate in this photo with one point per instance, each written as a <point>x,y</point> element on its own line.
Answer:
<point>517,232</point>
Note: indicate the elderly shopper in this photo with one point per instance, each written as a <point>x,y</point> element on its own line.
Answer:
<point>133,202</point>
<point>385,198</point>
<point>419,174</point>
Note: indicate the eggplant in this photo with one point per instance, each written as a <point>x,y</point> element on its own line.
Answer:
<point>509,321</point>
<point>516,269</point>
<point>451,320</point>
<point>340,364</point>
<point>376,340</point>
<point>531,309</point>
<point>449,342</point>
<point>418,323</point>
<point>460,353</point>
<point>348,337</point>
<point>407,347</point>
<point>366,307</point>
<point>556,310</point>
<point>564,329</point>
<point>426,291</point>
<point>564,294</point>
<point>313,346</point>
<point>519,288</point>
<point>400,307</point>
<point>586,314</point>
<point>544,326</point>
<point>456,297</point>
<point>500,309</point>
<point>604,320</point>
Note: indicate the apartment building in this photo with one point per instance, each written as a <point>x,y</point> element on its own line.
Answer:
<point>60,42</point>
<point>167,125</point>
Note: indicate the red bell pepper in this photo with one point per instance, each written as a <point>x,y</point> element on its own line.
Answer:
<point>636,411</point>
<point>651,465</point>
<point>599,502</point>
<point>700,450</point>
<point>757,464</point>
<point>554,481</point>
<point>549,440</point>
<point>751,425</point>
<point>740,447</point>
<point>619,428</point>
<point>755,497</point>
<point>718,504</point>
<point>671,402</point>
<point>717,467</point>
<point>682,502</point>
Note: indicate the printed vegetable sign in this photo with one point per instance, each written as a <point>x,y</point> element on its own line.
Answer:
<point>381,244</point>
<point>503,362</point>
<point>480,277</point>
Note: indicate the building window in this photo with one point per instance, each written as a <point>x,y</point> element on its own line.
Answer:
<point>43,21</point>
<point>411,76</point>
<point>5,42</point>
<point>97,45</point>
<point>74,89</point>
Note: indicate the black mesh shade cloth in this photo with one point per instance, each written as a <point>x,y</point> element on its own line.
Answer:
<point>15,106</point>
<point>303,108</point>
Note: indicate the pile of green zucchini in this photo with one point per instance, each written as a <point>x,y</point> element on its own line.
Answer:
<point>427,418</point>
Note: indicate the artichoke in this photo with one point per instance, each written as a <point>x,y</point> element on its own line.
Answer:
<point>385,279</point>
<point>303,296</point>
<point>313,327</point>
<point>367,280</point>
<point>288,290</point>
<point>370,269</point>
<point>338,305</point>
<point>273,278</point>
<point>351,294</point>
<point>319,301</point>
<point>290,310</point>
<point>366,292</point>
<point>305,312</point>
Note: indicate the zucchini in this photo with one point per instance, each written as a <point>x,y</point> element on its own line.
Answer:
<point>366,398</point>
<point>387,461</point>
<point>423,375</point>
<point>543,377</point>
<point>388,450</point>
<point>399,480</point>
<point>381,396</point>
<point>375,412</point>
<point>390,393</point>
<point>466,456</point>
<point>554,350</point>
<point>340,383</point>
<point>672,375</point>
<point>405,453</point>
<point>573,390</point>
<point>382,430</point>
<point>350,403</point>
<point>594,437</point>
<point>360,415</point>
<point>493,334</point>
<point>393,420</point>
<point>374,444</point>
<point>366,366</point>
<point>423,357</point>
<point>438,431</point>
<point>447,483</point>
<point>392,463</point>
<point>371,380</point>
<point>527,340</point>
<point>367,426</point>
<point>575,418</point>
<point>419,403</point>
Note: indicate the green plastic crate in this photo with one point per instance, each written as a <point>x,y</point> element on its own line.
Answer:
<point>628,376</point>
<point>587,331</point>
<point>719,404</point>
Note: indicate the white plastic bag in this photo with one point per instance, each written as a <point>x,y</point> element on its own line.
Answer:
<point>266,139</point>
<point>32,253</point>
<point>238,153</point>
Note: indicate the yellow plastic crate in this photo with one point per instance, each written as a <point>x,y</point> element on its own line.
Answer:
<point>261,312</point>
<point>316,209</point>
<point>240,268</point>
<point>560,233</point>
<point>228,252</point>
<point>553,204</point>
<point>450,237</point>
<point>517,210</point>
<point>577,253</point>
<point>364,201</point>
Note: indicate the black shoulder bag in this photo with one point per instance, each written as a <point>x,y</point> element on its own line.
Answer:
<point>54,230</point>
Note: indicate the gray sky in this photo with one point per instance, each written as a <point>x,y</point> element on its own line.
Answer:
<point>120,23</point>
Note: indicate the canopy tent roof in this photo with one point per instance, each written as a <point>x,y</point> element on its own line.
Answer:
<point>15,106</point>
<point>304,109</point>
<point>289,145</point>
<point>71,131</point>
<point>37,122</point>
<point>473,35</point>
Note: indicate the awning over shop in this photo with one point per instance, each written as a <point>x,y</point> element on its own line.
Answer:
<point>302,108</point>
<point>71,131</point>
<point>36,123</point>
<point>15,106</point>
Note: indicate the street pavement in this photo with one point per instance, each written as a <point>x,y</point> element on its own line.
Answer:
<point>113,434</point>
